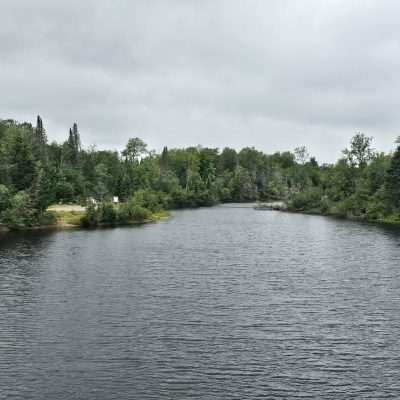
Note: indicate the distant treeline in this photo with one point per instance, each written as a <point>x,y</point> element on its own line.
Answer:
<point>34,174</point>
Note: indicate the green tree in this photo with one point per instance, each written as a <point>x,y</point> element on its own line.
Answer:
<point>134,149</point>
<point>20,213</point>
<point>392,181</point>
<point>72,147</point>
<point>4,199</point>
<point>21,160</point>
<point>302,155</point>
<point>228,160</point>
<point>360,151</point>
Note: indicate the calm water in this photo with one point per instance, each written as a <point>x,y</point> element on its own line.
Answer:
<point>217,303</point>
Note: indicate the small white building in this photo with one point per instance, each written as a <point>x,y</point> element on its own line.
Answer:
<point>115,199</point>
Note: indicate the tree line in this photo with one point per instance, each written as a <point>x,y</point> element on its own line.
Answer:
<point>34,174</point>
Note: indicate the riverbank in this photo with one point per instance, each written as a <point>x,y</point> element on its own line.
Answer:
<point>393,220</point>
<point>71,217</point>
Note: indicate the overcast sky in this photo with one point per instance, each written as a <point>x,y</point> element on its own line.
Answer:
<point>269,74</point>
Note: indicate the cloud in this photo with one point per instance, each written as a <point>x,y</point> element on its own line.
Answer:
<point>274,74</point>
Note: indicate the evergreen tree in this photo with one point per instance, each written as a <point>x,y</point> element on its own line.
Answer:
<point>22,161</point>
<point>72,146</point>
<point>40,132</point>
<point>164,160</point>
<point>77,138</point>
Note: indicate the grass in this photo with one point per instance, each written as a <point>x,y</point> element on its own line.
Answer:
<point>393,219</point>
<point>64,218</point>
<point>64,215</point>
<point>73,218</point>
<point>160,215</point>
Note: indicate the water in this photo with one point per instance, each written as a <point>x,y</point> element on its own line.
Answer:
<point>216,303</point>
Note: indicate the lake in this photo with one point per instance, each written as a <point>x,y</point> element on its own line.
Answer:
<point>214,303</point>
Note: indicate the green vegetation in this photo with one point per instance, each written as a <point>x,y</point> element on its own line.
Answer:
<point>34,174</point>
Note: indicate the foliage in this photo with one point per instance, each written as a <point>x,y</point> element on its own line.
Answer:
<point>35,174</point>
<point>135,148</point>
<point>360,151</point>
<point>20,213</point>
<point>48,218</point>
<point>67,217</point>
<point>91,217</point>
<point>393,181</point>
<point>4,198</point>
<point>310,199</point>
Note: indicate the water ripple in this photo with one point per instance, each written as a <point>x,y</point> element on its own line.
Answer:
<point>216,303</point>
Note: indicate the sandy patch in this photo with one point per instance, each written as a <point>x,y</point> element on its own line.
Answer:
<point>66,207</point>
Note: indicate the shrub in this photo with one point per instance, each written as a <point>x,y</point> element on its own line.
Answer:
<point>152,200</point>
<point>325,205</point>
<point>140,214</point>
<point>90,219</point>
<point>20,214</point>
<point>48,218</point>
<point>107,214</point>
<point>307,200</point>
<point>131,212</point>
<point>4,198</point>
<point>123,213</point>
<point>181,199</point>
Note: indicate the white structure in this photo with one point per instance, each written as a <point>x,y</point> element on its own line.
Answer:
<point>115,200</point>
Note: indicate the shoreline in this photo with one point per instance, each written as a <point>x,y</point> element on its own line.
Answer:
<point>275,207</point>
<point>267,206</point>
<point>60,225</point>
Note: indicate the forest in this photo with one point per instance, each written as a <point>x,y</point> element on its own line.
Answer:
<point>35,173</point>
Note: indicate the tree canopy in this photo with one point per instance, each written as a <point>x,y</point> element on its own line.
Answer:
<point>35,174</point>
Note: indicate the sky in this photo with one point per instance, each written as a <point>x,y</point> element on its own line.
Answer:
<point>270,74</point>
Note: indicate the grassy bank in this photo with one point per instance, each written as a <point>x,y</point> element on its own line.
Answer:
<point>70,219</point>
<point>67,218</point>
<point>73,216</point>
<point>332,211</point>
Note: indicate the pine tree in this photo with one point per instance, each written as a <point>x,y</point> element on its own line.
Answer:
<point>71,141</point>
<point>40,140</point>
<point>72,147</point>
<point>164,159</point>
<point>40,132</point>
<point>77,138</point>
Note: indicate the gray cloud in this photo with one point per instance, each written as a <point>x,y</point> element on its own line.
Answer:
<point>273,74</point>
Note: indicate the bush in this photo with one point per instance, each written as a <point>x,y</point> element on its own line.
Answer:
<point>225,194</point>
<point>90,219</point>
<point>307,200</point>
<point>130,212</point>
<point>347,208</point>
<point>152,200</point>
<point>107,214</point>
<point>140,214</point>
<point>20,214</point>
<point>4,198</point>
<point>392,219</point>
<point>182,199</point>
<point>325,205</point>
<point>124,213</point>
<point>48,218</point>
